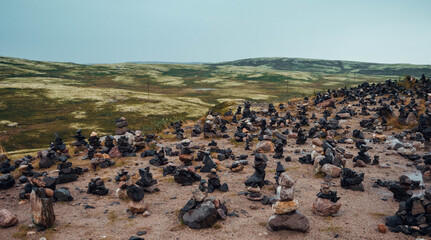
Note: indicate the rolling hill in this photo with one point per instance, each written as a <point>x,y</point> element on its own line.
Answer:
<point>40,98</point>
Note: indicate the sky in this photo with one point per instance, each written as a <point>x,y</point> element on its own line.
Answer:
<point>107,31</point>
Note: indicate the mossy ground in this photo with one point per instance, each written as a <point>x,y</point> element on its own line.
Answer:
<point>41,98</point>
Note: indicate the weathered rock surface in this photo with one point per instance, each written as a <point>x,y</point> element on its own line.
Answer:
<point>7,219</point>
<point>202,217</point>
<point>295,221</point>
<point>325,207</point>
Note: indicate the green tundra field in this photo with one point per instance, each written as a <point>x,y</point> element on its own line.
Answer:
<point>38,98</point>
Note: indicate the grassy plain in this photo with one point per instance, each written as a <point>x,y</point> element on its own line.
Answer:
<point>41,98</point>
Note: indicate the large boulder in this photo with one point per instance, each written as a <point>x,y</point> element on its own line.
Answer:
<point>7,219</point>
<point>294,221</point>
<point>284,207</point>
<point>203,216</point>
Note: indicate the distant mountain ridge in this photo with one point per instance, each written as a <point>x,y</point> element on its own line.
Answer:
<point>333,66</point>
<point>292,64</point>
<point>167,62</point>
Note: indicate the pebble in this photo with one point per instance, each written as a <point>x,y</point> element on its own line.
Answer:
<point>146,214</point>
<point>382,228</point>
<point>233,214</point>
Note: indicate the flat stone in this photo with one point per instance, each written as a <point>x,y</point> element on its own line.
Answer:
<point>255,197</point>
<point>186,158</point>
<point>283,207</point>
<point>137,207</point>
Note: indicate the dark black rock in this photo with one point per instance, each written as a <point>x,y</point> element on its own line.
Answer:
<point>306,159</point>
<point>6,181</point>
<point>185,177</point>
<point>331,196</point>
<point>208,163</point>
<point>352,180</point>
<point>203,216</point>
<point>62,195</point>
<point>97,186</point>
<point>136,238</point>
<point>258,177</point>
<point>146,179</point>
<point>159,159</point>
<point>399,192</point>
<point>135,193</point>
<point>278,171</point>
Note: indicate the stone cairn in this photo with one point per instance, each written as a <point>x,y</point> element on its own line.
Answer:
<point>352,180</point>
<point>286,216</point>
<point>159,159</point>
<point>178,131</point>
<point>202,211</point>
<point>97,187</point>
<point>214,182</point>
<point>326,203</point>
<point>187,154</point>
<point>146,182</point>
<point>256,181</point>
<point>56,151</point>
<point>136,195</point>
<point>413,216</point>
<point>121,125</point>
<point>80,140</point>
<point>41,201</point>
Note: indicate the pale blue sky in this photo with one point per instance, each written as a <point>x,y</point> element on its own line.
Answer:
<point>104,31</point>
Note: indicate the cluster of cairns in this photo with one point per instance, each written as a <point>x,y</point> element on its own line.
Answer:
<point>264,135</point>
<point>413,215</point>
<point>57,152</point>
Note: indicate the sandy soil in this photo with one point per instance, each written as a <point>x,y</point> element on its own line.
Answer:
<point>358,218</point>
